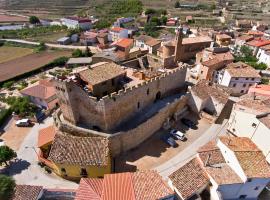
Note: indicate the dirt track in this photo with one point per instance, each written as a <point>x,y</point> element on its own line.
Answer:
<point>28,63</point>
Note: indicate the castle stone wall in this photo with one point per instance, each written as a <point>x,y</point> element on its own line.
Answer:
<point>112,110</point>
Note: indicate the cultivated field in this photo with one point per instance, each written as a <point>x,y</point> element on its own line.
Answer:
<point>10,53</point>
<point>19,66</point>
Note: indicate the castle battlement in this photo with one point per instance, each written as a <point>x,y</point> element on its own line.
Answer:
<point>115,95</point>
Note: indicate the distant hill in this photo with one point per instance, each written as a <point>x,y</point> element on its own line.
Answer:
<point>45,7</point>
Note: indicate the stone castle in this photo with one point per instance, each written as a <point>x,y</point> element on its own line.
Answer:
<point>129,106</point>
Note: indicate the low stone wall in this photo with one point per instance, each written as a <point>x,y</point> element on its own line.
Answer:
<point>123,141</point>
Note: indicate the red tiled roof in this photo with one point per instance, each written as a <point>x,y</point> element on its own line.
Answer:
<point>43,90</point>
<point>89,188</point>
<point>46,135</point>
<point>256,33</point>
<point>143,185</point>
<point>189,178</point>
<point>23,192</point>
<point>239,143</point>
<point>118,187</point>
<point>258,42</point>
<point>125,42</point>
<point>117,29</point>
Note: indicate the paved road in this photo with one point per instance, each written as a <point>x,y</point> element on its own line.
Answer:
<point>188,153</point>
<point>93,49</point>
<point>26,170</point>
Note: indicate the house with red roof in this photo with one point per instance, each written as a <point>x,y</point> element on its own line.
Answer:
<point>225,168</point>
<point>256,44</point>
<point>117,33</point>
<point>123,47</point>
<point>141,185</point>
<point>42,94</point>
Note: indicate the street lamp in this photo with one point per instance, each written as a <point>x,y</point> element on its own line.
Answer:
<point>31,147</point>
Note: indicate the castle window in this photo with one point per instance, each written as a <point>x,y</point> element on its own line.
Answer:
<point>148,91</point>
<point>63,170</point>
<point>138,105</point>
<point>112,81</point>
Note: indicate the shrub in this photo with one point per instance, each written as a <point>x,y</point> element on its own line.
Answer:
<point>4,114</point>
<point>34,20</point>
<point>7,185</point>
<point>77,53</point>
<point>8,84</point>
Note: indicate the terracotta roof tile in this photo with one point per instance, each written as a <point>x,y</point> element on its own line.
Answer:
<point>258,42</point>
<point>117,29</point>
<point>23,192</point>
<point>89,151</point>
<point>152,42</point>
<point>253,164</point>
<point>43,90</point>
<point>101,72</point>
<point>239,143</point>
<point>223,174</point>
<point>241,69</point>
<point>89,188</point>
<point>149,185</point>
<point>46,135</point>
<point>125,42</point>
<point>142,185</point>
<point>203,89</point>
<point>189,178</point>
<point>118,187</point>
<point>223,36</point>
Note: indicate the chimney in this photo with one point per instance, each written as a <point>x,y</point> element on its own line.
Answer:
<point>178,45</point>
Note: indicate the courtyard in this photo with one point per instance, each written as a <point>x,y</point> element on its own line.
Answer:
<point>154,151</point>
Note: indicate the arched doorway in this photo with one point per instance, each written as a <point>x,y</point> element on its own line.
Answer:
<point>158,96</point>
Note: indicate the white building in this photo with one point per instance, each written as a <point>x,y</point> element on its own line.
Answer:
<point>147,43</point>
<point>251,118</point>
<point>238,76</point>
<point>264,55</point>
<point>77,22</point>
<point>228,169</point>
<point>208,97</point>
<point>117,33</point>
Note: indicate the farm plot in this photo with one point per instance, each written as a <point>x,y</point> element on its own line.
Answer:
<point>10,53</point>
<point>19,66</point>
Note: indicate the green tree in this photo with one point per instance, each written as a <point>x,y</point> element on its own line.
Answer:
<point>163,20</point>
<point>34,20</point>
<point>150,11</point>
<point>6,154</point>
<point>88,52</point>
<point>151,29</point>
<point>77,53</point>
<point>177,4</point>
<point>246,51</point>
<point>40,47</point>
<point>7,186</point>
<point>155,20</point>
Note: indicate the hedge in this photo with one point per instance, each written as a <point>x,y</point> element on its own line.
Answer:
<point>4,114</point>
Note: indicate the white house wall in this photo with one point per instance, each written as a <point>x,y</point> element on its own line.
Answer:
<point>231,160</point>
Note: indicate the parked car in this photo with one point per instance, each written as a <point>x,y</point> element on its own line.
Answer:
<point>188,123</point>
<point>178,134</point>
<point>169,140</point>
<point>23,123</point>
